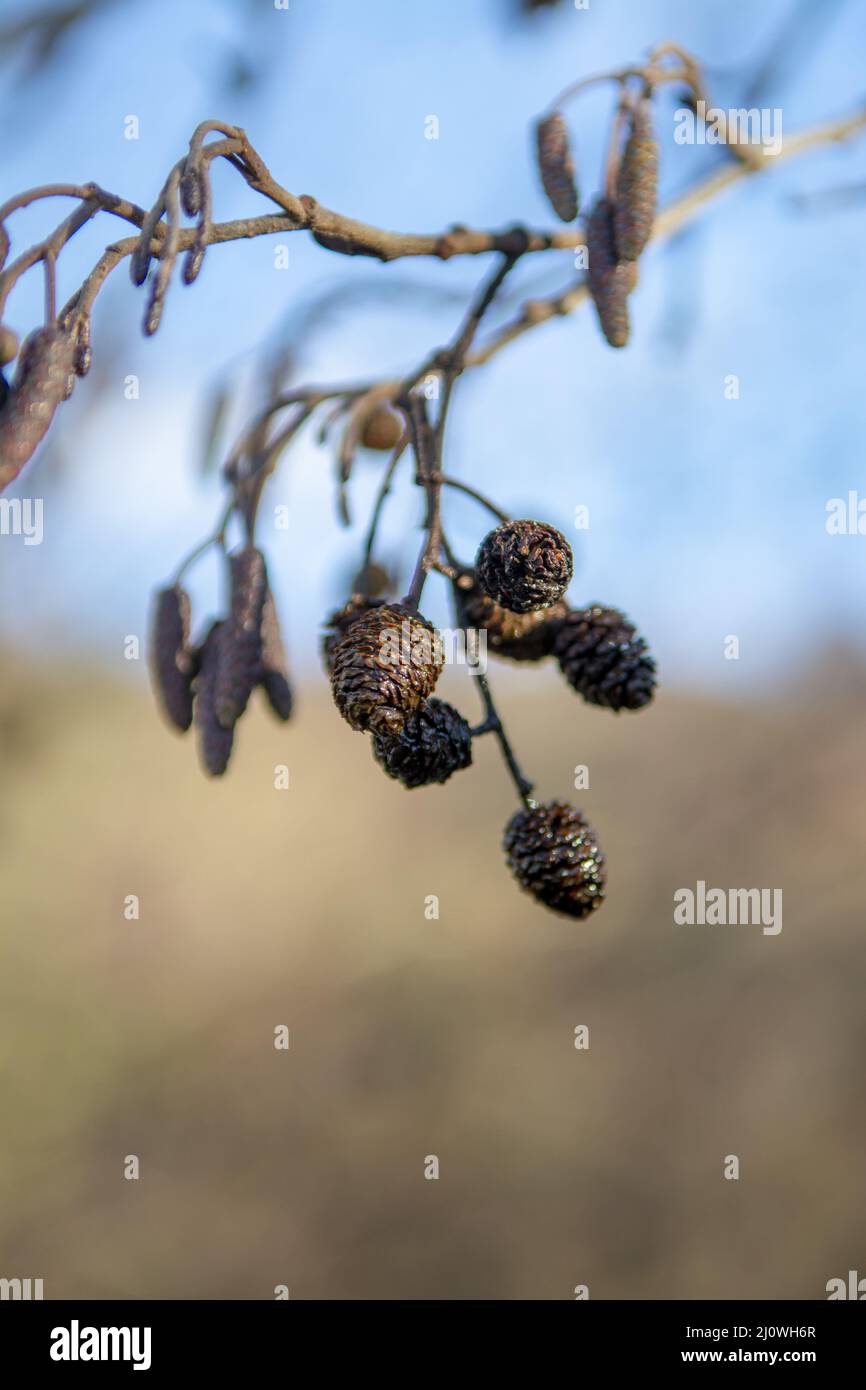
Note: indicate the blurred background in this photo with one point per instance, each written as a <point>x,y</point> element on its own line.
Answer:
<point>305,907</point>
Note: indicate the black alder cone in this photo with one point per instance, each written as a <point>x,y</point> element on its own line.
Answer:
<point>604,658</point>
<point>384,667</point>
<point>172,662</point>
<point>215,741</point>
<point>553,853</point>
<point>240,643</point>
<point>274,678</point>
<point>517,636</point>
<point>434,743</point>
<point>524,565</point>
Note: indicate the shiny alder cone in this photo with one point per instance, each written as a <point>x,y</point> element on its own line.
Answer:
<point>433,744</point>
<point>604,658</point>
<point>172,661</point>
<point>609,280</point>
<point>384,667</point>
<point>553,853</point>
<point>515,636</point>
<point>524,565</point>
<point>556,165</point>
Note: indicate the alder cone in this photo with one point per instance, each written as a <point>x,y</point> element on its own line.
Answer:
<point>274,678</point>
<point>516,636</point>
<point>556,165</point>
<point>383,429</point>
<point>240,643</point>
<point>384,667</point>
<point>609,280</point>
<point>606,661</point>
<point>524,565</point>
<point>43,379</point>
<point>553,853</point>
<point>433,744</point>
<point>215,741</point>
<point>340,621</point>
<point>637,186</point>
<point>172,663</point>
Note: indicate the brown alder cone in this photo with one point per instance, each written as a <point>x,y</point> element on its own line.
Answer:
<point>384,667</point>
<point>610,281</point>
<point>274,678</point>
<point>517,636</point>
<point>172,662</point>
<point>43,379</point>
<point>240,643</point>
<point>215,741</point>
<point>340,621</point>
<point>383,429</point>
<point>553,853</point>
<point>556,165</point>
<point>637,186</point>
<point>524,565</point>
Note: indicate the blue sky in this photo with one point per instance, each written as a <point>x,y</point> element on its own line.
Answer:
<point>707,516</point>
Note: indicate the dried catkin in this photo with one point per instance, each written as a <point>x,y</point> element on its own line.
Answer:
<point>240,643</point>
<point>172,663</point>
<point>556,165</point>
<point>215,741</point>
<point>274,667</point>
<point>609,280</point>
<point>43,379</point>
<point>637,186</point>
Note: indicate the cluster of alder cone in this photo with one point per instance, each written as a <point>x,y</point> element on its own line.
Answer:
<point>384,659</point>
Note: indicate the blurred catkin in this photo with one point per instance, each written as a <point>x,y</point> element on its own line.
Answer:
<point>43,379</point>
<point>172,663</point>
<point>556,165</point>
<point>637,186</point>
<point>240,644</point>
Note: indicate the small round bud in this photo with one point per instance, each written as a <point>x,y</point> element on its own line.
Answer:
<point>8,345</point>
<point>383,428</point>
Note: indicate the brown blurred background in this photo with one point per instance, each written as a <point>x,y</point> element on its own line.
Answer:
<point>412,1037</point>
